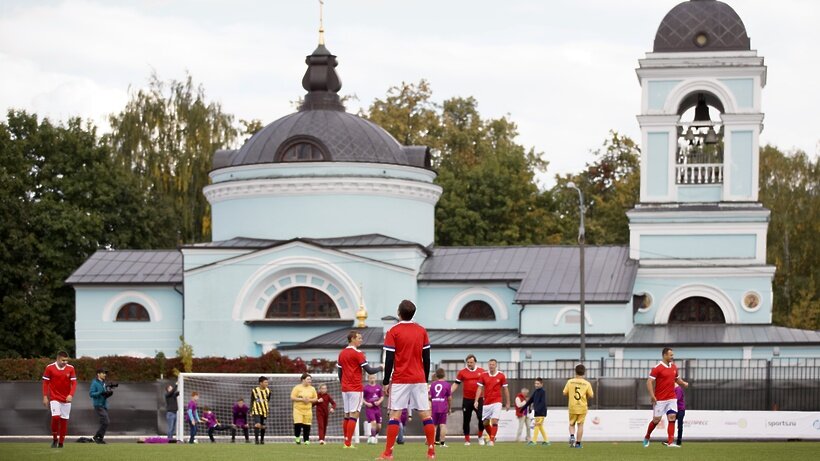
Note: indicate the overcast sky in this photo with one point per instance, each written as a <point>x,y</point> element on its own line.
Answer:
<point>563,71</point>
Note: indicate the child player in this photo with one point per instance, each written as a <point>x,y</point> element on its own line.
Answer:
<point>212,423</point>
<point>240,420</point>
<point>373,397</point>
<point>303,397</point>
<point>324,407</point>
<point>577,390</point>
<point>538,402</point>
<point>441,398</point>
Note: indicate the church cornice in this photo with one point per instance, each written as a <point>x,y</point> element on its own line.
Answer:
<point>400,188</point>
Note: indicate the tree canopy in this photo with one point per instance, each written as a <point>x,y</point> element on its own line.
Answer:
<point>62,197</point>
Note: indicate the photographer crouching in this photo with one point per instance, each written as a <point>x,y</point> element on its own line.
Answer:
<point>100,392</point>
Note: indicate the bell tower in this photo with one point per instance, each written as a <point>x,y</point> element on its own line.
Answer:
<point>698,223</point>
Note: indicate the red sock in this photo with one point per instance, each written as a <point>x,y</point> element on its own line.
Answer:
<point>480,433</point>
<point>350,430</point>
<point>63,429</point>
<point>392,433</point>
<point>651,428</point>
<point>493,432</point>
<point>55,427</point>
<point>344,432</point>
<point>466,437</point>
<point>429,432</point>
<point>670,430</point>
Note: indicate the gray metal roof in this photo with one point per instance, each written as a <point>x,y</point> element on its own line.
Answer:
<point>641,335</point>
<point>130,267</point>
<point>722,26</point>
<point>354,241</point>
<point>548,274</point>
<point>347,138</point>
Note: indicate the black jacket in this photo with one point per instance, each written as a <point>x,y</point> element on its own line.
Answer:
<point>171,400</point>
<point>538,400</point>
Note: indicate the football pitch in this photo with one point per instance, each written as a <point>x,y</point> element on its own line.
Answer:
<point>608,451</point>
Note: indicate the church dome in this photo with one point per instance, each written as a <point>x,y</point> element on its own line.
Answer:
<point>321,131</point>
<point>701,25</point>
<point>321,135</point>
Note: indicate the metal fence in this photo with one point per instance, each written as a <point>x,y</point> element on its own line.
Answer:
<point>714,384</point>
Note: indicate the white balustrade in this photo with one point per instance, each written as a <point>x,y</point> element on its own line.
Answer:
<point>699,173</point>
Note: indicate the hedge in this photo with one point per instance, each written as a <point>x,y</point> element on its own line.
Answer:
<point>131,369</point>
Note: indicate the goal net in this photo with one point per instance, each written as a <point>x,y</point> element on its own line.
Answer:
<point>220,391</point>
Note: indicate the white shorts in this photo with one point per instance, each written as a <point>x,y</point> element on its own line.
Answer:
<point>663,407</point>
<point>63,410</point>
<point>410,396</point>
<point>491,411</point>
<point>352,401</point>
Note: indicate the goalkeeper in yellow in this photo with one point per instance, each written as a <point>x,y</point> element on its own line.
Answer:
<point>577,390</point>
<point>303,397</point>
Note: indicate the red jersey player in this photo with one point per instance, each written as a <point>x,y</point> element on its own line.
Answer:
<point>490,384</point>
<point>661,387</point>
<point>59,384</point>
<point>349,365</point>
<point>407,347</point>
<point>468,377</point>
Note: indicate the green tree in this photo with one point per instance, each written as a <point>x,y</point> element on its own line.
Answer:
<point>167,135</point>
<point>62,197</point>
<point>611,186</point>
<point>790,188</point>
<point>490,196</point>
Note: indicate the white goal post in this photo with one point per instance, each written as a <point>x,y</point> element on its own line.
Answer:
<point>220,391</point>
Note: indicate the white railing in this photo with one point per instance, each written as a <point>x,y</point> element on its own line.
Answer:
<point>699,173</point>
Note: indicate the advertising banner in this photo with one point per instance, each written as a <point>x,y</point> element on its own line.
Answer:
<point>630,425</point>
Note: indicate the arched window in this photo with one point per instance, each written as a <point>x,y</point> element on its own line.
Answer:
<point>697,309</point>
<point>133,312</point>
<point>302,303</point>
<point>302,149</point>
<point>476,310</point>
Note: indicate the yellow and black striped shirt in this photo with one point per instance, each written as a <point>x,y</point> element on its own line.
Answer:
<point>260,400</point>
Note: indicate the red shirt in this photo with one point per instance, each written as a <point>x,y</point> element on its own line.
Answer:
<point>665,377</point>
<point>519,411</point>
<point>327,401</point>
<point>407,340</point>
<point>59,384</point>
<point>469,379</point>
<point>351,361</point>
<point>492,385</point>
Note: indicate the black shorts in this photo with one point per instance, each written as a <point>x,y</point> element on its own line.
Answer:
<point>259,419</point>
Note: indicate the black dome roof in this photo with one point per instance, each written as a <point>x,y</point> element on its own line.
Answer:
<point>344,137</point>
<point>323,127</point>
<point>716,21</point>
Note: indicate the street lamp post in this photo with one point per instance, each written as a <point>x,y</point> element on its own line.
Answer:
<point>581,232</point>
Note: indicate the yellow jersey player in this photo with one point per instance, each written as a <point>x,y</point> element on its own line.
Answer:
<point>303,397</point>
<point>577,390</point>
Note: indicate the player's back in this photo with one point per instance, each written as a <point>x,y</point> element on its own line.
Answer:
<point>578,389</point>
<point>407,340</point>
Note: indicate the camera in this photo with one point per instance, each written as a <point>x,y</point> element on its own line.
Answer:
<point>111,385</point>
<point>108,389</point>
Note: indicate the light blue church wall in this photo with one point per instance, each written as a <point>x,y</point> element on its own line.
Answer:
<point>727,291</point>
<point>98,334</point>
<point>742,163</point>
<point>658,91</point>
<point>657,165</point>
<point>703,246</point>
<point>439,306</point>
<point>221,298</point>
<point>742,89</point>
<point>317,216</point>
<point>700,193</point>
<point>563,319</point>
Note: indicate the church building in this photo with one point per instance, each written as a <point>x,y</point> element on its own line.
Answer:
<point>323,222</point>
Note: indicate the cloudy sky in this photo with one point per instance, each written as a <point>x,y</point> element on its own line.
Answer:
<point>563,71</point>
